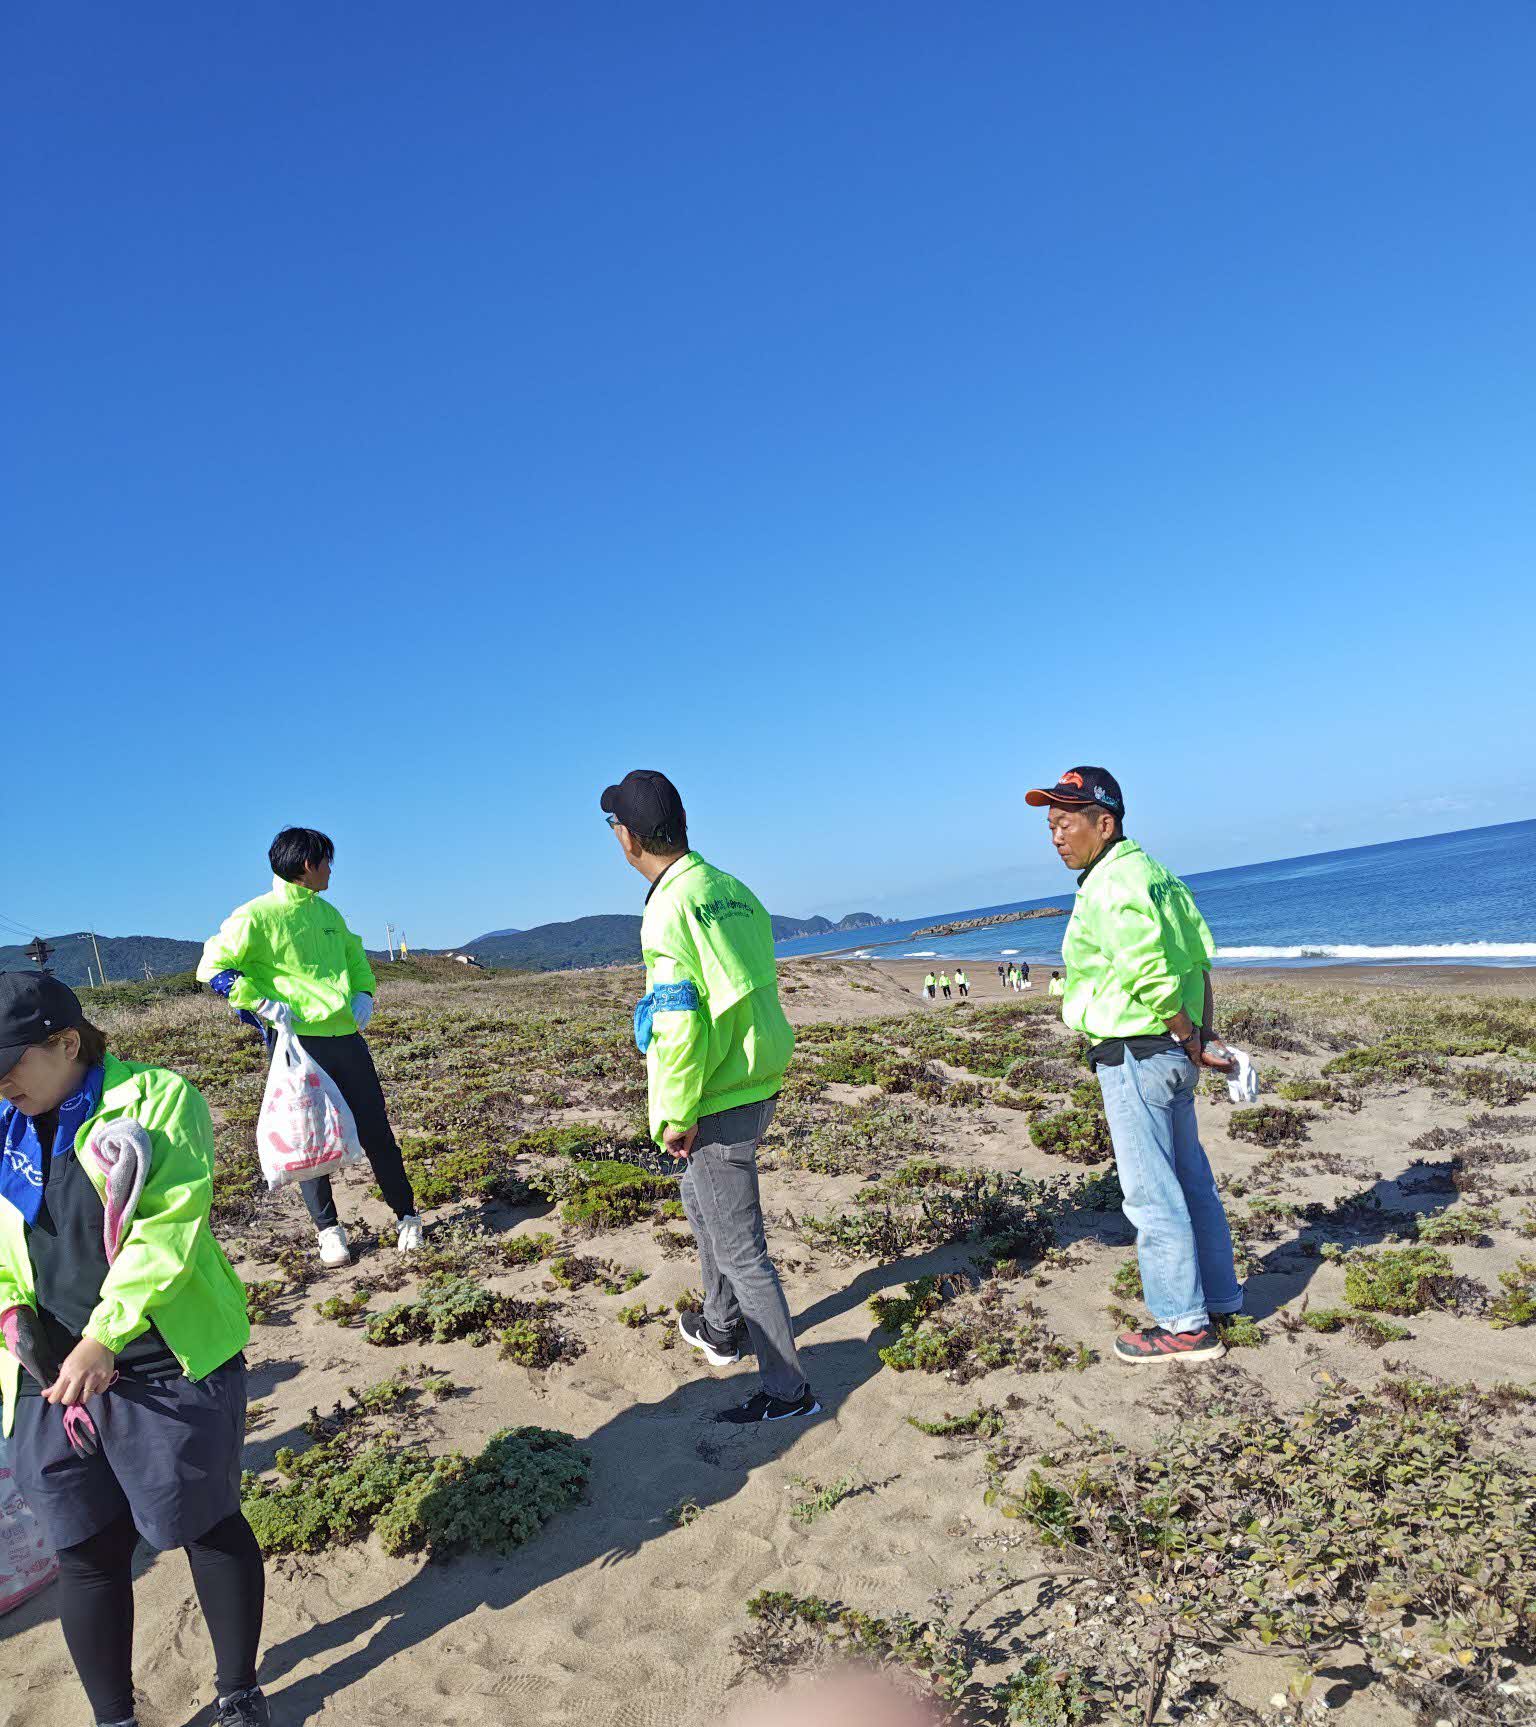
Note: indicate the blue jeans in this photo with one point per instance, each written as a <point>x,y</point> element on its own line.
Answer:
<point>1182,1241</point>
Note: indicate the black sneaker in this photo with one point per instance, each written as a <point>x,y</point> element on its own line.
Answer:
<point>695,1329</point>
<point>244,1709</point>
<point>762,1407</point>
<point>1156,1344</point>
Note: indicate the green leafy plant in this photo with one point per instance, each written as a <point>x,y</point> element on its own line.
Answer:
<point>818,1500</point>
<point>1403,1280</point>
<point>982,1422</point>
<point>1465,1224</point>
<point>1081,1134</point>
<point>1370,1328</point>
<point>344,1309</point>
<point>333,1494</point>
<point>1268,1124</point>
<point>1517,1305</point>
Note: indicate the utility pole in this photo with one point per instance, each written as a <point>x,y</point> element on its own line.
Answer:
<point>90,976</point>
<point>148,974</point>
<point>99,966</point>
<point>39,952</point>
<point>389,940</point>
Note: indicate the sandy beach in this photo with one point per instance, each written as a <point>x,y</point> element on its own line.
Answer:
<point>627,1609</point>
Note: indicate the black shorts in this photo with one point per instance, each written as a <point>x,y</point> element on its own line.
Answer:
<point>170,1458</point>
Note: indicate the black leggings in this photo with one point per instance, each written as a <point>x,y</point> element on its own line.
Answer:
<point>347,1061</point>
<point>96,1608</point>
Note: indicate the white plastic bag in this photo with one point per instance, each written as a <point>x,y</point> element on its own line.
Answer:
<point>1242,1086</point>
<point>27,1562</point>
<point>305,1129</point>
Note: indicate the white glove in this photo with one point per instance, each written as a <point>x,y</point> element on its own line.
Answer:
<point>274,1013</point>
<point>362,1010</point>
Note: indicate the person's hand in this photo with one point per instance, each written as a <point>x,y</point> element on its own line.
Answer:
<point>25,1339</point>
<point>362,1010</point>
<point>1215,1054</point>
<point>87,1372</point>
<point>679,1140</point>
<point>275,1013</point>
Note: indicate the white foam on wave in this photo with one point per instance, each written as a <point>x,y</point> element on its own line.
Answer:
<point>1005,951</point>
<point>923,953</point>
<point>1467,950</point>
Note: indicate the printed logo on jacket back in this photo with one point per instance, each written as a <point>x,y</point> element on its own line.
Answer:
<point>712,911</point>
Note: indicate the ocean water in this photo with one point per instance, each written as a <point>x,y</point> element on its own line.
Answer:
<point>1462,898</point>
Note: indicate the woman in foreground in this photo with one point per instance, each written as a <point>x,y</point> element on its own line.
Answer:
<point>123,1322</point>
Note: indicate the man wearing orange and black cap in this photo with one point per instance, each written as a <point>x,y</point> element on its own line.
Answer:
<point>1137,955</point>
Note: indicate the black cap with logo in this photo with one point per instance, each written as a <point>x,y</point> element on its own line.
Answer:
<point>1079,787</point>
<point>33,1006</point>
<point>647,803</point>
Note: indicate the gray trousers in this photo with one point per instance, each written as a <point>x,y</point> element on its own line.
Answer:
<point>720,1195</point>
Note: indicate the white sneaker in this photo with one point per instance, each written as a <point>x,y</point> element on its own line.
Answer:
<point>333,1246</point>
<point>409,1239</point>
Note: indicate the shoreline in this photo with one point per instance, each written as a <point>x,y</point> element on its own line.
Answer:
<point>1447,977</point>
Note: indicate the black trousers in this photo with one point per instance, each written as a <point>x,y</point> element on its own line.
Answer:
<point>347,1061</point>
<point>96,1608</point>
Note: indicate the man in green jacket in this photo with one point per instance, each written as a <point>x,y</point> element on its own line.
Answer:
<point>1138,958</point>
<point>716,1044</point>
<point>289,959</point>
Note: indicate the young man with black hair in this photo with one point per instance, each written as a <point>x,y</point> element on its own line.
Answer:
<point>288,959</point>
<point>1138,955</point>
<point>716,1044</point>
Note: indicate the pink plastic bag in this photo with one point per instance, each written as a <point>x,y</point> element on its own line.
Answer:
<point>305,1129</point>
<point>27,1562</point>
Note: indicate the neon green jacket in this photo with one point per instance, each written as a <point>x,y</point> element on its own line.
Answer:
<point>706,929</point>
<point>293,947</point>
<point>169,1269</point>
<point>1136,950</point>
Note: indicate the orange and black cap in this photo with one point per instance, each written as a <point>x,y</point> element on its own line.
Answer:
<point>1078,788</point>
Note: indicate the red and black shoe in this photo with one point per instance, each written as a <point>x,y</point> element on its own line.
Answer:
<point>1156,1344</point>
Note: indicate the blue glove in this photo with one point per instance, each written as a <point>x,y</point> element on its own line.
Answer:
<point>362,1010</point>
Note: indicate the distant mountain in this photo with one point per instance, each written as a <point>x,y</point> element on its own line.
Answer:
<point>607,939</point>
<point>787,928</point>
<point>124,956</point>
<point>859,920</point>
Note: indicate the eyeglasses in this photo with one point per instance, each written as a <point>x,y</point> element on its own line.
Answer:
<point>612,821</point>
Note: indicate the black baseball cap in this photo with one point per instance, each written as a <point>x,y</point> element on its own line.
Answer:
<point>1079,787</point>
<point>33,1006</point>
<point>648,804</point>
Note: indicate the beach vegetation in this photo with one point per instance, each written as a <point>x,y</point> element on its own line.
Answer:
<point>339,1492</point>
<point>1401,1280</point>
<point>1080,1134</point>
<point>1268,1124</point>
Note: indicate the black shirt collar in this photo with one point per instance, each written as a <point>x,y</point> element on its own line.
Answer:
<point>665,873</point>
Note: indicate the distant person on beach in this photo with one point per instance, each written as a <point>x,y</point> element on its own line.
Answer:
<point>1056,986</point>
<point>1002,975</point>
<point>124,1326</point>
<point>1024,982</point>
<point>1138,987</point>
<point>962,982</point>
<point>288,959</point>
<point>716,1044</point>
<point>944,983</point>
<point>930,985</point>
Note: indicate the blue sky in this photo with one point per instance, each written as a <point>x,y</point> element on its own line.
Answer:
<point>416,416</point>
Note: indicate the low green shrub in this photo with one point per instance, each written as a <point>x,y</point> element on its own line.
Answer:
<point>983,1422</point>
<point>344,1309</point>
<point>1517,1305</point>
<point>1403,1280</point>
<point>1081,1134</point>
<point>1492,1085</point>
<point>333,1494</point>
<point>1459,1227</point>
<point>893,1312</point>
<point>1394,1059</point>
<point>1268,1124</point>
<point>1370,1328</point>
<point>443,1173</point>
